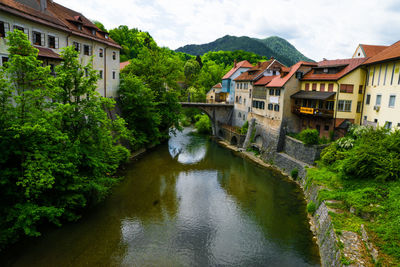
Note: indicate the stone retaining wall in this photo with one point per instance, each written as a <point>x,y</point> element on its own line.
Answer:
<point>300,151</point>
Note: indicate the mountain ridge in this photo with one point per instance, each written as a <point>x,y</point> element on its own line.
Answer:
<point>272,46</point>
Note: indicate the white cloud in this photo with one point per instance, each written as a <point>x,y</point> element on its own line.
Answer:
<point>330,29</point>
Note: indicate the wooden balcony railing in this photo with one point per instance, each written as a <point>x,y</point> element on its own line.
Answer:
<point>319,112</point>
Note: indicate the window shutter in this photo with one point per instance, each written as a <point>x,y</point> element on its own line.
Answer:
<point>42,39</point>
<point>90,50</point>
<point>6,28</point>
<point>56,41</point>
<point>26,31</point>
<point>79,47</point>
<point>330,87</point>
<point>350,88</point>
<point>322,87</point>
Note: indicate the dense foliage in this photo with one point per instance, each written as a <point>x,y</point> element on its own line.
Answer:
<point>58,149</point>
<point>203,124</point>
<point>269,47</point>
<point>361,170</point>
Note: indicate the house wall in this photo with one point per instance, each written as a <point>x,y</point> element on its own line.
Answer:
<point>107,64</point>
<point>385,88</point>
<point>359,52</point>
<point>243,103</point>
<point>231,95</point>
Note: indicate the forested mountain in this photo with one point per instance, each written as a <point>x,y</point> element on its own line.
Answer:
<point>270,47</point>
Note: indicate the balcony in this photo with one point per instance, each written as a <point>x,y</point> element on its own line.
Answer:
<point>314,112</point>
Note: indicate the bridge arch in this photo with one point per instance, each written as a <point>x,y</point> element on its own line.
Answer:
<point>234,141</point>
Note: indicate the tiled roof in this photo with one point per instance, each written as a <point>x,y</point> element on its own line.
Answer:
<point>123,64</point>
<point>281,81</point>
<point>313,95</point>
<point>56,16</point>
<point>241,64</point>
<point>218,85</point>
<point>47,53</point>
<point>372,50</point>
<point>350,64</point>
<point>265,80</point>
<point>390,53</point>
<point>256,70</point>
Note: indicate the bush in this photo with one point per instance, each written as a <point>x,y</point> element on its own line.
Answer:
<point>294,173</point>
<point>309,136</point>
<point>244,128</point>
<point>203,124</point>
<point>311,207</point>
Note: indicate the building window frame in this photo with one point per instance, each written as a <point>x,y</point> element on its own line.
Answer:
<point>101,52</point>
<point>392,101</point>
<point>344,105</point>
<point>50,39</point>
<point>378,100</point>
<point>101,74</point>
<point>38,38</point>
<point>368,99</point>
<point>87,50</point>
<point>77,46</point>
<point>4,28</point>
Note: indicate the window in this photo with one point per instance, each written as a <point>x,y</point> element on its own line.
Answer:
<point>360,89</point>
<point>101,52</point>
<point>270,106</point>
<point>392,100</point>
<point>276,107</point>
<point>344,105</point>
<point>237,99</point>
<point>4,28</point>
<point>388,125</point>
<point>4,60</point>
<point>307,87</point>
<point>378,100</point>
<point>38,38</point>
<point>113,75</point>
<point>114,56</point>
<point>359,107</point>
<point>240,115</point>
<point>391,80</point>
<point>271,91</point>
<point>274,72</point>
<point>87,50</point>
<point>240,100</point>
<point>52,41</point>
<point>326,127</point>
<point>368,100</point>
<point>384,78</point>
<point>278,92</point>
<point>241,86</point>
<point>322,87</point>
<point>314,87</point>
<point>22,29</point>
<point>101,74</point>
<point>330,87</point>
<point>93,31</point>
<point>376,120</point>
<point>346,88</point>
<point>329,105</point>
<point>244,101</point>
<point>77,46</point>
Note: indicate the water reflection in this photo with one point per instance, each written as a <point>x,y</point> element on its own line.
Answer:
<point>190,203</point>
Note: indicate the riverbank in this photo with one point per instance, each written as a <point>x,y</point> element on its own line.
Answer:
<point>337,247</point>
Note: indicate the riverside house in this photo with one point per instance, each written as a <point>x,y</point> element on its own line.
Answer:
<point>215,95</point>
<point>381,103</point>
<point>331,96</point>
<point>228,81</point>
<point>244,87</point>
<point>50,27</point>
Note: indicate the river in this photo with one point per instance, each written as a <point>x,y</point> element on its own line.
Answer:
<point>186,203</point>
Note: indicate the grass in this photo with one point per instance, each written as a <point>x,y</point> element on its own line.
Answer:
<point>374,204</point>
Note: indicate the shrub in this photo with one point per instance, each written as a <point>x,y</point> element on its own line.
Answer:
<point>311,207</point>
<point>309,136</point>
<point>330,154</point>
<point>294,173</point>
<point>244,128</point>
<point>203,124</point>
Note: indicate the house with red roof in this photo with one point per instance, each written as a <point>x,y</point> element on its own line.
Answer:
<point>382,90</point>
<point>228,81</point>
<point>364,50</point>
<point>331,96</point>
<point>215,95</point>
<point>271,102</point>
<point>245,83</point>
<point>51,27</point>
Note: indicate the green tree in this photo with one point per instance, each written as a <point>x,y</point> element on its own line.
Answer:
<point>191,70</point>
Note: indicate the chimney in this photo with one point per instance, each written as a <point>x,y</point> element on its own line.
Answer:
<point>235,63</point>
<point>43,5</point>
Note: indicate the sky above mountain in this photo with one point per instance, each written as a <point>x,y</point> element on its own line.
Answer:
<point>318,29</point>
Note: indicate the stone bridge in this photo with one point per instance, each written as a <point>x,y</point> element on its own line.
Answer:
<point>218,113</point>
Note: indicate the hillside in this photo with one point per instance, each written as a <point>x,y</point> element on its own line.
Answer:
<point>270,47</point>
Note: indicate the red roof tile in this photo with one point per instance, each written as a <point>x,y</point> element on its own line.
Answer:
<point>56,16</point>
<point>218,85</point>
<point>390,53</point>
<point>253,72</point>
<point>123,64</point>
<point>281,81</point>
<point>349,65</point>
<point>241,64</point>
<point>265,80</point>
<point>372,50</point>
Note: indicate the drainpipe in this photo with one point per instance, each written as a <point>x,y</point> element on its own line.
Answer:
<point>105,71</point>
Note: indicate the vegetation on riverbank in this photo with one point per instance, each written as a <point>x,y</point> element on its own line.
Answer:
<point>58,149</point>
<point>362,173</point>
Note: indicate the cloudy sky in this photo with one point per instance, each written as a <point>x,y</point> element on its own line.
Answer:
<point>324,28</point>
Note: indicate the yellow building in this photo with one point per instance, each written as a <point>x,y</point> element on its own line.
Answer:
<point>381,104</point>
<point>215,95</point>
<point>50,27</point>
<point>331,96</point>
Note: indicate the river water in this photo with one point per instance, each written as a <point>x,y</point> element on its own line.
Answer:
<point>186,203</point>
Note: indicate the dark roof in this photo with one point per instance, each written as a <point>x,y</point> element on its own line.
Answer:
<point>313,95</point>
<point>255,71</point>
<point>47,53</point>
<point>56,16</point>
<point>265,80</point>
<point>390,53</point>
<point>350,64</point>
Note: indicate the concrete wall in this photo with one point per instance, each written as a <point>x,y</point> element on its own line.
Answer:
<point>302,152</point>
